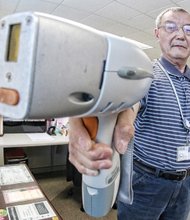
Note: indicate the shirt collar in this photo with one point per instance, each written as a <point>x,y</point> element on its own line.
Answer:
<point>173,70</point>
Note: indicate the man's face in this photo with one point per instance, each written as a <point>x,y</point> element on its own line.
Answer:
<point>173,35</point>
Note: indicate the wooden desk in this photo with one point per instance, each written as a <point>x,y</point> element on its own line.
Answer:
<point>21,197</point>
<point>23,140</point>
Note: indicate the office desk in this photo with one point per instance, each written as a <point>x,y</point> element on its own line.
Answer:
<point>21,197</point>
<point>23,140</point>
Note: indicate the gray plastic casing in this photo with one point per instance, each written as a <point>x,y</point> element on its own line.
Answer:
<point>62,66</point>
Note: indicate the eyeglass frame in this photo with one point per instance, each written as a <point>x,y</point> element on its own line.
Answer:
<point>178,27</point>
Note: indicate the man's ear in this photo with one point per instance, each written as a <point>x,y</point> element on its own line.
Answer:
<point>156,33</point>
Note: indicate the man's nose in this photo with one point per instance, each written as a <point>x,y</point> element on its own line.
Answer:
<point>180,31</point>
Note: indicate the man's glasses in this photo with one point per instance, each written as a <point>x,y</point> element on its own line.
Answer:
<point>171,27</point>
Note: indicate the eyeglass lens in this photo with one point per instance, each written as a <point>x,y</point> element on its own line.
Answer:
<point>171,27</point>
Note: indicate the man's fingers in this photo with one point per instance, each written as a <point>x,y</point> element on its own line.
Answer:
<point>82,169</point>
<point>90,162</point>
<point>122,137</point>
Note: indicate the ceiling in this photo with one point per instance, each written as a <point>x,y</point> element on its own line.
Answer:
<point>127,18</point>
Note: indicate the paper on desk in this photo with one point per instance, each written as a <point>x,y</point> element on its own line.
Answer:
<point>33,211</point>
<point>14,174</point>
<point>22,194</point>
<point>40,137</point>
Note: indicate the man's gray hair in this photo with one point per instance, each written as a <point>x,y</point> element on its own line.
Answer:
<point>173,9</point>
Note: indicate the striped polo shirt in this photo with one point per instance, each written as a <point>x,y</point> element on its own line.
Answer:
<point>159,129</point>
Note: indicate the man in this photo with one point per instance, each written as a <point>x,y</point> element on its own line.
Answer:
<point>161,175</point>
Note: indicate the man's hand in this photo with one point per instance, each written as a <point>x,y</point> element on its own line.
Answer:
<point>124,129</point>
<point>86,155</point>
